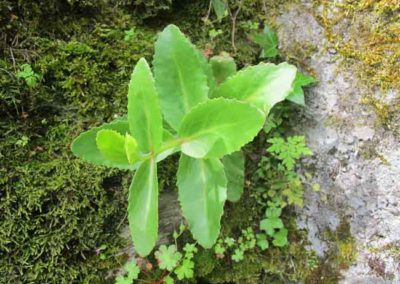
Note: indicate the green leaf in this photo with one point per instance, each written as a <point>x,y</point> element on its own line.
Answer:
<point>168,257</point>
<point>169,280</point>
<point>270,224</point>
<point>222,67</point>
<point>122,280</point>
<point>133,270</point>
<point>219,127</point>
<point>144,114</point>
<point>234,170</point>
<point>289,152</point>
<point>185,270</point>
<point>262,241</point>
<point>180,79</point>
<point>229,241</point>
<point>131,149</point>
<point>111,145</point>
<point>297,95</point>
<point>263,85</point>
<point>268,40</point>
<point>219,8</point>
<point>238,255</point>
<point>280,238</point>
<point>143,207</point>
<point>219,249</point>
<point>273,212</point>
<point>202,194</point>
<point>190,250</point>
<point>129,34</point>
<point>85,147</point>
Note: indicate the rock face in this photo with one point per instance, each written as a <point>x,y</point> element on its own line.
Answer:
<point>356,162</point>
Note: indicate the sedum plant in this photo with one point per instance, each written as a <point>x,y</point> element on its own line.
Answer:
<point>184,109</point>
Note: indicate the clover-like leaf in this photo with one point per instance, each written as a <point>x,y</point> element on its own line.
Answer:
<point>185,270</point>
<point>122,280</point>
<point>219,249</point>
<point>190,250</point>
<point>202,194</point>
<point>262,241</point>
<point>229,241</point>
<point>263,85</point>
<point>168,257</point>
<point>133,270</point>
<point>238,255</point>
<point>273,212</point>
<point>180,79</point>
<point>143,207</point>
<point>280,238</point>
<point>270,224</point>
<point>169,280</point>
<point>219,127</point>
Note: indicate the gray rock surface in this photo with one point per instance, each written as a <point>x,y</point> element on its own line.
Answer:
<point>340,129</point>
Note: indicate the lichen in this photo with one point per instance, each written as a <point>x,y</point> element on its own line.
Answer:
<point>342,253</point>
<point>366,32</point>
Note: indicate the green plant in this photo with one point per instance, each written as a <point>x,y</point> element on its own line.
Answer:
<point>301,80</point>
<point>273,226</point>
<point>22,142</point>
<point>283,186</point>
<point>213,33</point>
<point>168,257</point>
<point>204,127</point>
<point>129,34</point>
<point>28,75</point>
<point>219,7</point>
<point>268,40</point>
<point>132,270</point>
<point>236,248</point>
<point>223,66</point>
<point>288,151</point>
<point>171,264</point>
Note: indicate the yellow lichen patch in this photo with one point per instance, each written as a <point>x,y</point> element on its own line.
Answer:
<point>367,32</point>
<point>387,113</point>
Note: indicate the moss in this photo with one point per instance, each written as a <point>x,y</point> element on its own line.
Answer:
<point>370,41</point>
<point>387,113</point>
<point>57,210</point>
<point>365,34</point>
<point>292,263</point>
<point>369,152</point>
<point>341,255</point>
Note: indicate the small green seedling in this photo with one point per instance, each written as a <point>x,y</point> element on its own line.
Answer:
<point>274,228</point>
<point>268,40</point>
<point>289,151</point>
<point>132,271</point>
<point>168,257</point>
<point>220,8</point>
<point>208,124</point>
<point>29,76</point>
<point>129,34</point>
